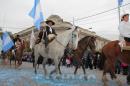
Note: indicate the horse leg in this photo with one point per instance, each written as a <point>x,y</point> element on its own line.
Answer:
<point>10,62</point>
<point>128,76</point>
<point>33,58</point>
<point>18,63</point>
<point>113,76</point>
<point>35,64</point>
<point>85,76</point>
<point>44,66</point>
<point>16,59</point>
<point>60,64</point>
<point>21,54</point>
<point>104,78</point>
<point>76,68</point>
<point>56,61</point>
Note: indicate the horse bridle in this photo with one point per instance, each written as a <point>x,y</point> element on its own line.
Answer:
<point>88,40</point>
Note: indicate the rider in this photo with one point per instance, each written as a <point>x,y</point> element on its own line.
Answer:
<point>17,40</point>
<point>19,44</point>
<point>39,35</point>
<point>124,29</point>
<point>49,31</point>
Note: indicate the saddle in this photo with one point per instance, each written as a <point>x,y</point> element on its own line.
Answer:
<point>127,46</point>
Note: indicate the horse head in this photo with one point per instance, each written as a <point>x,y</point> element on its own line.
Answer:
<point>90,42</point>
<point>75,38</point>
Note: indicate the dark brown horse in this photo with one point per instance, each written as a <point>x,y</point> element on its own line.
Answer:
<point>20,45</point>
<point>110,53</point>
<point>83,45</point>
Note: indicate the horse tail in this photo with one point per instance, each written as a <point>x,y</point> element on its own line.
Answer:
<point>102,61</point>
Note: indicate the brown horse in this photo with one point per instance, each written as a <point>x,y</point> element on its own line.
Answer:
<point>110,53</point>
<point>19,52</point>
<point>83,45</point>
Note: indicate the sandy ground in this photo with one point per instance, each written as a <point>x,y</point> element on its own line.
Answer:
<point>25,76</point>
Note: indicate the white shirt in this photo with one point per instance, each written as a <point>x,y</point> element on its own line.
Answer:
<point>50,28</point>
<point>124,29</point>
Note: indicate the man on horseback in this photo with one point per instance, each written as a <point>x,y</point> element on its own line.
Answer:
<point>19,45</point>
<point>47,32</point>
<point>124,29</point>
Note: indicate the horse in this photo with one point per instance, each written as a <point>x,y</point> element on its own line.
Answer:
<point>19,52</point>
<point>55,49</point>
<point>83,45</point>
<point>111,52</point>
<point>77,57</point>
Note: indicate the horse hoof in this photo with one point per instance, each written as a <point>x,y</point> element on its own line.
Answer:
<point>58,77</point>
<point>105,84</point>
<point>128,83</point>
<point>119,83</point>
<point>35,72</point>
<point>104,79</point>
<point>85,77</point>
<point>47,77</point>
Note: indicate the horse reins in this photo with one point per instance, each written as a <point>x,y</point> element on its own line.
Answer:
<point>60,43</point>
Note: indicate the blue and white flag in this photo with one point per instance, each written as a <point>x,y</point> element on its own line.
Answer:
<point>0,44</point>
<point>36,14</point>
<point>32,40</point>
<point>120,2</point>
<point>7,42</point>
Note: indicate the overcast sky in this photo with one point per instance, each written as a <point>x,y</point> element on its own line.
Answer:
<point>14,14</point>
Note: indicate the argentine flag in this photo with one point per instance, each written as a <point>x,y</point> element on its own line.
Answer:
<point>36,14</point>
<point>0,44</point>
<point>120,2</point>
<point>7,42</point>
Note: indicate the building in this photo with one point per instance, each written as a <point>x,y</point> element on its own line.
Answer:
<point>60,26</point>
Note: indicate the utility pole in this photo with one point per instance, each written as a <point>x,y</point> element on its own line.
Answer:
<point>119,13</point>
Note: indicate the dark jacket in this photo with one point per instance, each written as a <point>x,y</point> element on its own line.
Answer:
<point>40,34</point>
<point>47,31</point>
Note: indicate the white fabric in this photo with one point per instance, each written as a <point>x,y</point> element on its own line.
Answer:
<point>50,28</point>
<point>32,40</point>
<point>124,29</point>
<point>122,43</point>
<point>51,36</point>
<point>0,45</point>
<point>74,40</point>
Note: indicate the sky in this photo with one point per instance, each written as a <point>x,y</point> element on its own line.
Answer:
<point>14,14</point>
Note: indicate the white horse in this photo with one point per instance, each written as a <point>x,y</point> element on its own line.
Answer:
<point>56,49</point>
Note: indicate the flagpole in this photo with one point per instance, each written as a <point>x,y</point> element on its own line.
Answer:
<point>119,13</point>
<point>73,22</point>
<point>119,6</point>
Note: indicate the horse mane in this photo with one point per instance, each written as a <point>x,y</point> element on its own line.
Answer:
<point>82,46</point>
<point>63,36</point>
<point>82,42</point>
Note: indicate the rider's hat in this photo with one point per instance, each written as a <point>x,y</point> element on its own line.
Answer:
<point>53,23</point>
<point>122,17</point>
<point>17,35</point>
